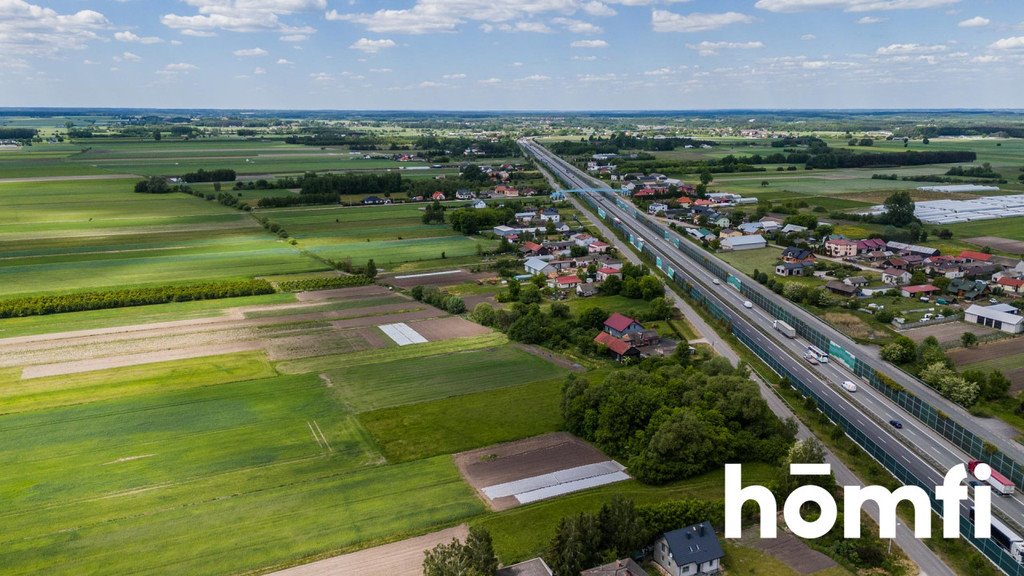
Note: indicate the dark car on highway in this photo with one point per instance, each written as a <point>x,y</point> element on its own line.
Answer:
<point>896,424</point>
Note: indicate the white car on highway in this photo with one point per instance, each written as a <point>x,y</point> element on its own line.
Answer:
<point>748,304</point>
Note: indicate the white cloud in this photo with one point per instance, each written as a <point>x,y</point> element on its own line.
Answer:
<point>535,78</point>
<point>32,30</point>
<point>429,16</point>
<point>242,15</point>
<point>658,72</point>
<point>848,5</point>
<point>1014,43</point>
<point>589,44</point>
<point>598,9</point>
<point>294,38</point>
<point>808,37</point>
<point>180,67</point>
<point>128,57</point>
<point>538,27</point>
<point>665,21</point>
<point>429,84</point>
<point>610,77</point>
<point>129,36</point>
<point>986,59</point>
<point>870,20</point>
<point>706,48</point>
<point>198,33</point>
<point>250,52</point>
<point>259,71</point>
<point>491,81</point>
<point>284,62</point>
<point>458,76</point>
<point>321,77</point>
<point>368,46</point>
<point>380,70</point>
<point>578,26</point>
<point>584,58</point>
<point>975,22</point>
<point>892,49</point>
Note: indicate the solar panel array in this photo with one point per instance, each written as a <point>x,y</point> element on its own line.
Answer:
<point>953,211</point>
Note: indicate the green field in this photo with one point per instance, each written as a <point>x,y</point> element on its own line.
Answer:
<point>200,467</point>
<point>464,422</point>
<point>398,382</point>
<point>761,259</point>
<point>65,236</point>
<point>391,235</point>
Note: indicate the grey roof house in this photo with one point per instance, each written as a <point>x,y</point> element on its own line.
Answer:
<point>689,551</point>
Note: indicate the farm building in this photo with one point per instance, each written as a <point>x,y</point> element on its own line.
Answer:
<point>841,288</point>
<point>538,266</point>
<point>918,290</point>
<point>1001,317</point>
<point>690,551</point>
<point>744,243</point>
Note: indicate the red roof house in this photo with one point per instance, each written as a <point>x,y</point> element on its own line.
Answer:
<point>619,324</point>
<point>619,347</point>
<point>972,256</point>
<point>925,289</point>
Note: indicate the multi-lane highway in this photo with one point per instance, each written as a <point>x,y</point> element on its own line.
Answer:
<point>921,451</point>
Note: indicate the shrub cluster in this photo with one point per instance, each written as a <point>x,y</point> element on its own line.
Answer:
<point>439,299</point>
<point>326,283</point>
<point>39,305</point>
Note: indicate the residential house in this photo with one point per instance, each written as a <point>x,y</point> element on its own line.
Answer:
<point>895,276</point>
<point>911,248</point>
<point>979,269</point>
<point>744,243</point>
<point>566,282</point>
<point>729,233</point>
<point>534,567</point>
<point>1011,285</point>
<point>607,272</point>
<point>690,551</point>
<point>550,215</point>
<point>534,249</point>
<point>376,200</point>
<point>598,247</point>
<point>583,239</point>
<point>840,248</point>
<point>869,245</point>
<point>841,288</point>
<point>750,227</point>
<point>506,191</point>
<point>770,225</point>
<point>794,254</point>
<point>793,229</point>
<point>1001,317</point>
<point>626,567</point>
<point>656,207</point>
<point>538,266</point>
<point>967,289</point>
<point>722,222</point>
<point>918,290</point>
<point>505,231</point>
<point>856,281</point>
<point>438,196</point>
<point>793,268</point>
<point>897,263</point>
<point>525,217</point>
<point>479,205</point>
<point>619,348</point>
<point>464,194</point>
<point>586,289</point>
<point>619,325</point>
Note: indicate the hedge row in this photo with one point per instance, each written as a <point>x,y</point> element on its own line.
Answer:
<point>39,305</point>
<point>324,283</point>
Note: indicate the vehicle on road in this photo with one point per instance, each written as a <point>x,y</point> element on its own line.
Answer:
<point>1006,539</point>
<point>716,282</point>
<point>1000,483</point>
<point>993,301</point>
<point>786,330</point>
<point>896,424</point>
<point>818,353</point>
<point>811,359</point>
<point>748,304</point>
<point>849,386</point>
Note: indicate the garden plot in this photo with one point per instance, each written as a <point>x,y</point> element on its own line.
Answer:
<point>508,475</point>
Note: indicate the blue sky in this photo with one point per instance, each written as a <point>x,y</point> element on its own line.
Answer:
<point>506,54</point>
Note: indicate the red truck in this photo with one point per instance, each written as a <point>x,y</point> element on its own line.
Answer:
<point>1001,483</point>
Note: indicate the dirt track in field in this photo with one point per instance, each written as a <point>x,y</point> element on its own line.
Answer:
<point>523,459</point>
<point>964,357</point>
<point>447,278</point>
<point>403,558</point>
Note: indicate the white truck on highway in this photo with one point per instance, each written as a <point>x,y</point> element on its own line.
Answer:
<point>786,330</point>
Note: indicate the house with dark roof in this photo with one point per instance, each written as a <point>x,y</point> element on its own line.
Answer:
<point>534,567</point>
<point>795,254</point>
<point>841,288</point>
<point>690,551</point>
<point>857,281</point>
<point>793,268</point>
<point>870,245</point>
<point>619,325</point>
<point>967,289</point>
<point>625,567</point>
<point>587,289</point>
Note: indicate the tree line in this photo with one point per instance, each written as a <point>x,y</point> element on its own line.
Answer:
<point>216,175</point>
<point>98,300</point>
<point>7,133</point>
<point>331,282</point>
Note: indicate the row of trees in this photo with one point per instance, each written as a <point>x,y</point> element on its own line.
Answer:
<point>331,282</point>
<point>671,421</point>
<point>218,175</point>
<point>622,141</point>
<point>843,158</point>
<point>39,305</point>
<point>929,361</point>
<point>344,184</point>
